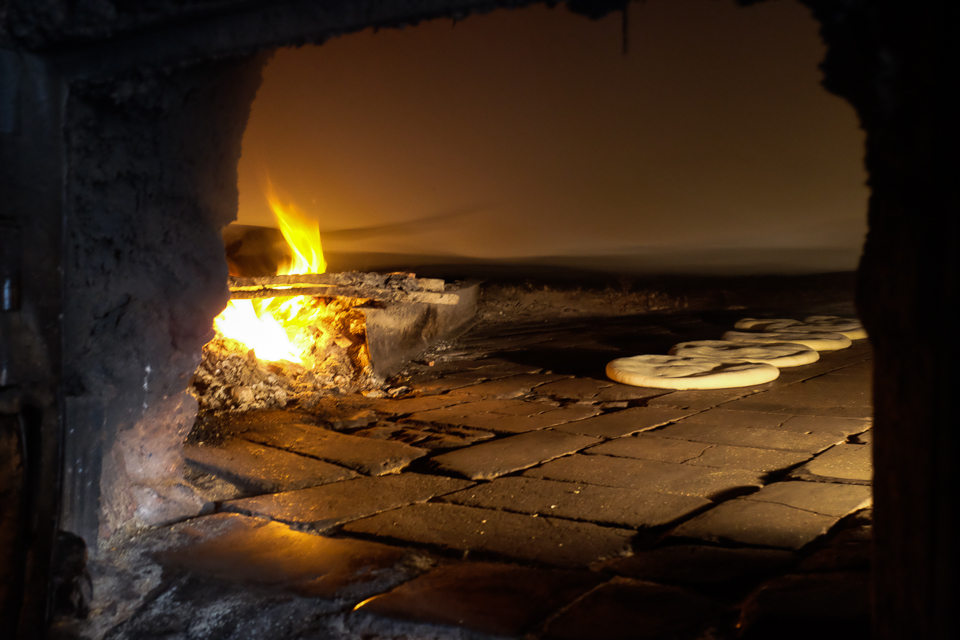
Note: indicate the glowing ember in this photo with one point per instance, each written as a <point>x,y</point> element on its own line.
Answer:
<point>267,324</point>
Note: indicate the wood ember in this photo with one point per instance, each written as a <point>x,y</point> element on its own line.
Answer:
<point>389,287</point>
<point>337,361</point>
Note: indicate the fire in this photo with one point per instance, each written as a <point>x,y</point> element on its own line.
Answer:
<point>266,324</point>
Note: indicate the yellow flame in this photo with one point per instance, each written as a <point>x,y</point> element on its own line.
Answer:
<point>260,324</point>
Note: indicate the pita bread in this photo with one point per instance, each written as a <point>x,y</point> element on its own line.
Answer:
<point>850,327</point>
<point>821,341</point>
<point>764,324</point>
<point>682,372</point>
<point>779,354</point>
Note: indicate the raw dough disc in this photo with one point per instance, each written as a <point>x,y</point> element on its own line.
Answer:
<point>821,341</point>
<point>779,354</point>
<point>681,372</point>
<point>850,327</point>
<point>764,324</point>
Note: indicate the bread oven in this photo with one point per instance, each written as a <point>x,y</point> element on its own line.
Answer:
<point>121,131</point>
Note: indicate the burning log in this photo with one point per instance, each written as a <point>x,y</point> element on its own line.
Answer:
<point>387,288</point>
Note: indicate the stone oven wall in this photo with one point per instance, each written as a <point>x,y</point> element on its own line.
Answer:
<point>152,159</point>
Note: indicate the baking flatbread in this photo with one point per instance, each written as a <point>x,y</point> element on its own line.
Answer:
<point>764,324</point>
<point>683,372</point>
<point>779,354</point>
<point>850,327</point>
<point>821,341</point>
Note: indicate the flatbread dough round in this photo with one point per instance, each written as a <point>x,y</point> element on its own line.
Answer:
<point>764,324</point>
<point>681,372</point>
<point>821,341</point>
<point>850,327</point>
<point>779,354</point>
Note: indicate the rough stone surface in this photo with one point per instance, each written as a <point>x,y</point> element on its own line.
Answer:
<point>837,396</point>
<point>257,468</point>
<point>698,564</point>
<point>592,503</point>
<point>846,462</point>
<point>752,522</point>
<point>366,455</point>
<point>239,549</point>
<point>621,423</point>
<point>574,388</point>
<point>749,437</point>
<point>751,458</point>
<point>820,497</point>
<point>332,504</point>
<point>492,459</point>
<point>537,539</point>
<point>500,599</point>
<point>625,609</point>
<point>650,447</point>
<point>650,475</point>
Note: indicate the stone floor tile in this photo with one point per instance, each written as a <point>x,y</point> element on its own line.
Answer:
<point>752,522</point>
<point>505,367</point>
<point>333,504</point>
<point>699,564</point>
<point>366,455</point>
<point>248,550</point>
<point>842,427</point>
<point>621,423</point>
<point>863,438</point>
<point>593,503</point>
<point>526,407</point>
<point>647,475</point>
<point>820,497</point>
<point>723,417</point>
<point>499,599</point>
<point>627,392</point>
<point>845,461</point>
<point>647,446</point>
<point>625,609</point>
<point>840,396</point>
<point>425,436</point>
<point>420,403</point>
<point>749,437</point>
<point>492,459</point>
<point>804,606</point>
<point>699,400</point>
<point>536,539</point>
<point>574,388</point>
<point>259,469</point>
<point>512,387</point>
<point>750,458</point>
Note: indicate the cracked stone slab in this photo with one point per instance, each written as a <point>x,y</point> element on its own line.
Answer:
<point>648,475</point>
<point>235,548</point>
<point>512,387</point>
<point>574,388</point>
<point>646,446</point>
<point>412,405</point>
<point>627,421</point>
<point>839,396</point>
<point>842,427</point>
<point>619,392</point>
<point>426,436</point>
<point>750,437</point>
<point>537,539</point>
<point>699,400</point>
<point>593,503</point>
<point>506,422</point>
<point>805,605</point>
<point>492,459</point>
<point>700,564</point>
<point>366,455</point>
<point>626,609</point>
<point>333,504</point>
<point>500,599</point>
<point>846,462</point>
<point>722,417</point>
<point>750,458</point>
<point>752,522</point>
<point>820,497</point>
<point>256,468</point>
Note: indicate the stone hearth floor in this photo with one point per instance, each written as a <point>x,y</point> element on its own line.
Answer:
<point>514,492</point>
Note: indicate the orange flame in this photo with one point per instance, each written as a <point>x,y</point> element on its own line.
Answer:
<point>260,324</point>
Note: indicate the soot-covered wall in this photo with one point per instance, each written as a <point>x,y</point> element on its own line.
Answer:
<point>152,159</point>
